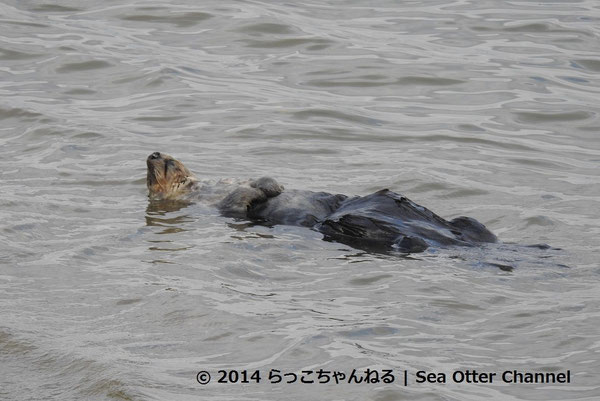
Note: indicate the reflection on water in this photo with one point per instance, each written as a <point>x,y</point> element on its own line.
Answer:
<point>481,109</point>
<point>163,208</point>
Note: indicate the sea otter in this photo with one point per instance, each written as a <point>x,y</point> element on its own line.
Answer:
<point>383,220</point>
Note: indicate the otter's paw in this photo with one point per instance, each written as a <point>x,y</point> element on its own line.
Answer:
<point>268,185</point>
<point>236,204</point>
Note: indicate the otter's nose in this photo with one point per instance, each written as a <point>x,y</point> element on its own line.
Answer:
<point>155,155</point>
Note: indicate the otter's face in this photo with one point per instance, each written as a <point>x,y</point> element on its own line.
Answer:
<point>167,177</point>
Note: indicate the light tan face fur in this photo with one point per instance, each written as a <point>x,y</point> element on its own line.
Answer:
<point>167,177</point>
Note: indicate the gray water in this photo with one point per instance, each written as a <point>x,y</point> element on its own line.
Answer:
<point>480,108</point>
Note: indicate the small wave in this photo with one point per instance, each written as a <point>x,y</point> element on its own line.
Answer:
<point>182,20</point>
<point>59,374</point>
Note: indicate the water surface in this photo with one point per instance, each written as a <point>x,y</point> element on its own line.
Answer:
<point>485,109</point>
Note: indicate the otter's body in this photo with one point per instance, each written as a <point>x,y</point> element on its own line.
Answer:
<point>382,220</point>
<point>385,218</point>
<point>297,208</point>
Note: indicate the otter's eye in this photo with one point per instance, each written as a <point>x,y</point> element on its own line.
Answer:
<point>182,181</point>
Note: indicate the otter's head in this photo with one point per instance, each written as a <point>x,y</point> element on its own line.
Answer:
<point>168,178</point>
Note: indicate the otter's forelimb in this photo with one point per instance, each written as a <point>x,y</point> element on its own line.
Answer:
<point>237,203</point>
<point>268,185</point>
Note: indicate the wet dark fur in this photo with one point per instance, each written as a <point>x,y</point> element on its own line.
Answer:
<point>381,220</point>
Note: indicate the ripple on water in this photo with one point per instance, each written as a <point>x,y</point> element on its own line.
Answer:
<point>10,55</point>
<point>325,114</point>
<point>530,117</point>
<point>310,44</point>
<point>66,68</point>
<point>589,64</point>
<point>65,375</point>
<point>267,28</point>
<point>18,113</point>
<point>178,19</point>
<point>55,8</point>
<point>382,80</point>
